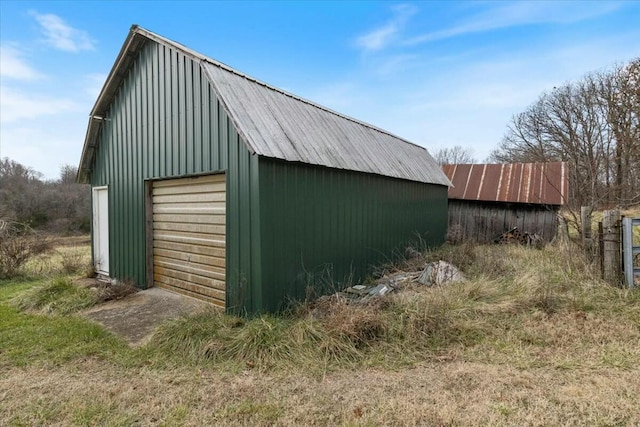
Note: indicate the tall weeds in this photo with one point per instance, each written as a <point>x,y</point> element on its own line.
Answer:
<point>18,244</point>
<point>507,287</point>
<point>59,296</point>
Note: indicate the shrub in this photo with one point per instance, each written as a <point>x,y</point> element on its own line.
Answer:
<point>18,244</point>
<point>75,260</point>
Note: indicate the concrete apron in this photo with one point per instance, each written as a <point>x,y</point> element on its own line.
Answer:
<point>136,317</point>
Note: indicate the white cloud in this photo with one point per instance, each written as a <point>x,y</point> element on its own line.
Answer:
<point>16,105</point>
<point>472,103</point>
<point>45,146</point>
<point>382,36</point>
<point>13,66</point>
<point>43,130</point>
<point>514,14</point>
<point>62,36</point>
<point>467,98</point>
<point>391,65</point>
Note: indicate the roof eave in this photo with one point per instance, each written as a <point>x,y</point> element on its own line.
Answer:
<point>133,43</point>
<point>88,151</point>
<point>135,40</point>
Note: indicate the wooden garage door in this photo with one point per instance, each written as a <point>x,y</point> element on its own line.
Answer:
<point>189,236</point>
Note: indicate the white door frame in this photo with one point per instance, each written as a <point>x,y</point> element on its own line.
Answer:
<point>100,231</point>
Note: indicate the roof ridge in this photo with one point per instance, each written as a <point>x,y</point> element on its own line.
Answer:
<point>411,161</point>
<point>196,54</point>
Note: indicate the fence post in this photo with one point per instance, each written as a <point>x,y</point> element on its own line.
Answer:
<point>563,232</point>
<point>612,265</point>
<point>587,237</point>
<point>601,248</point>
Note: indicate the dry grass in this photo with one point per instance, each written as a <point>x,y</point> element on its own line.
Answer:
<point>435,393</point>
<point>59,296</point>
<point>69,256</point>
<point>63,296</point>
<point>532,338</point>
<point>19,243</point>
<point>597,216</point>
<point>511,290</point>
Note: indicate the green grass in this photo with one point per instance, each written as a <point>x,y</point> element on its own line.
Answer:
<point>80,413</point>
<point>31,339</point>
<point>36,328</point>
<point>11,288</point>
<point>517,304</point>
<point>101,414</point>
<point>265,342</point>
<point>525,325</point>
<point>59,296</point>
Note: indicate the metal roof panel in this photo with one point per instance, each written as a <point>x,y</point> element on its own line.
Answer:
<point>280,125</point>
<point>536,183</point>
<point>274,123</point>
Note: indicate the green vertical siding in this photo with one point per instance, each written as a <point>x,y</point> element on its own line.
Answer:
<point>289,225</point>
<point>322,226</point>
<point>166,121</point>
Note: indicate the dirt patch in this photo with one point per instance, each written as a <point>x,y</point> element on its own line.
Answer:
<point>136,317</point>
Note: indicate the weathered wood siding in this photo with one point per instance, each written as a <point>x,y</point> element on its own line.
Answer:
<point>482,222</point>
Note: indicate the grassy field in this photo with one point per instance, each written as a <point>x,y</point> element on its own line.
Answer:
<point>532,338</point>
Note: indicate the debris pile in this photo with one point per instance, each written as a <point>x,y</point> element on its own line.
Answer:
<point>440,273</point>
<point>515,235</point>
<point>433,274</point>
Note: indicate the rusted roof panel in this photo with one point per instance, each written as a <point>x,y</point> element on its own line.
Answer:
<point>536,183</point>
<point>514,189</point>
<point>474,180</point>
<point>459,179</point>
<point>490,192</point>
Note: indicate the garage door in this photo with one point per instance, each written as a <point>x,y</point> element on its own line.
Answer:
<point>189,236</point>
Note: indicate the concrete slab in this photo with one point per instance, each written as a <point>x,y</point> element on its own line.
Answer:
<point>136,317</point>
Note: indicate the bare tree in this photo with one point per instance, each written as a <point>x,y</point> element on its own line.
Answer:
<point>18,244</point>
<point>454,155</point>
<point>21,194</point>
<point>620,94</point>
<point>593,125</point>
<point>58,205</point>
<point>71,208</point>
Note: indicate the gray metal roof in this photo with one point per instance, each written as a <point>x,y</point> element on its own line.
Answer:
<point>280,125</point>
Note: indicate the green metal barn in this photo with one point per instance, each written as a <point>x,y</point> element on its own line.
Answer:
<point>211,183</point>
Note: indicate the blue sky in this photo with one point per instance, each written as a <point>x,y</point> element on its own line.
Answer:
<point>436,73</point>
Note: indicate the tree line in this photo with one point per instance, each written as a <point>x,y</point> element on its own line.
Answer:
<point>593,124</point>
<point>59,206</point>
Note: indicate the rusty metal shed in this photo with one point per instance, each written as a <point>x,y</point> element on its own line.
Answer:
<point>211,183</point>
<point>489,199</point>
